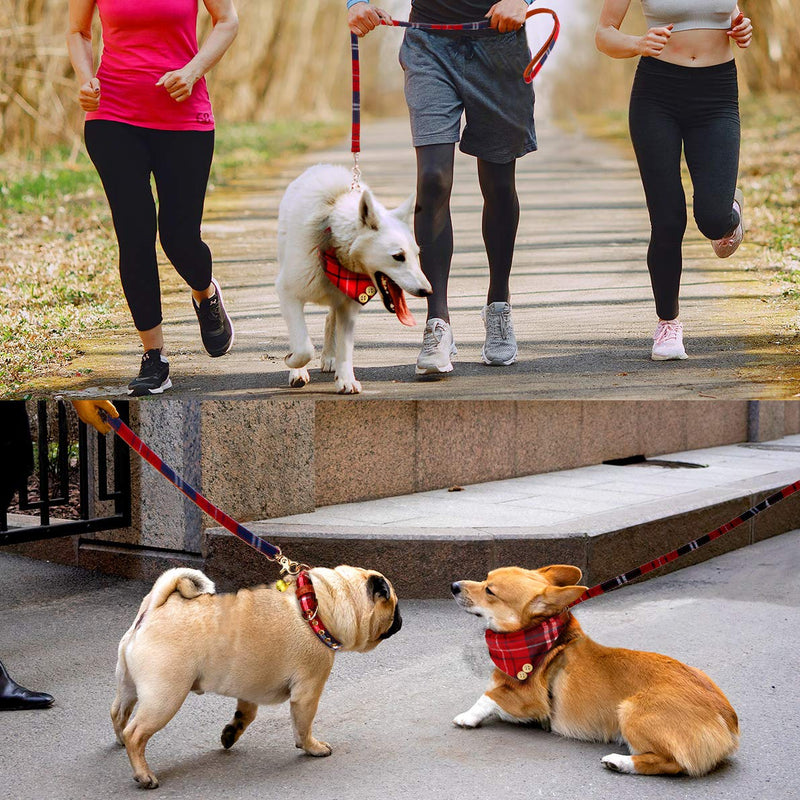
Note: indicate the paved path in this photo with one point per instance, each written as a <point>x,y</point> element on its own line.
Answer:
<point>582,304</point>
<point>388,714</point>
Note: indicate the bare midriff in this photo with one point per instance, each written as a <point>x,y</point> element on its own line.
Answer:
<point>698,48</point>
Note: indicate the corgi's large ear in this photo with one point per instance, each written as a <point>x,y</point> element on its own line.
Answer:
<point>367,214</point>
<point>405,211</point>
<point>553,599</point>
<point>561,574</point>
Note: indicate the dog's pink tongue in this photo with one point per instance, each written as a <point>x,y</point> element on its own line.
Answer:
<point>400,307</point>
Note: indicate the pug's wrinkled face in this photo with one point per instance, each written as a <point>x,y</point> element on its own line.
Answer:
<point>359,606</point>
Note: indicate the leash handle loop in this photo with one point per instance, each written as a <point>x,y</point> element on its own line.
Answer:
<point>695,544</point>
<point>271,551</point>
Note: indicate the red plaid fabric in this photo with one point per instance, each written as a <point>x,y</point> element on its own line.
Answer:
<point>519,653</point>
<point>307,598</point>
<point>356,285</point>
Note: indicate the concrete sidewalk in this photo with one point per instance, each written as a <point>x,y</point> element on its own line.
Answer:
<point>583,310</point>
<point>606,518</point>
<point>388,714</point>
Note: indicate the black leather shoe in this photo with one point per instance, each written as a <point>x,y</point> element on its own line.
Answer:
<point>14,697</point>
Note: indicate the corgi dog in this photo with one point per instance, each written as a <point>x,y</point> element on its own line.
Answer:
<point>672,717</point>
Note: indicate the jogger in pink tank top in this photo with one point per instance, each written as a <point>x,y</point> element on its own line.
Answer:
<point>149,113</point>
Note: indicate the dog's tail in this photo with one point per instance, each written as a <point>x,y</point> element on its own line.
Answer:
<point>189,583</point>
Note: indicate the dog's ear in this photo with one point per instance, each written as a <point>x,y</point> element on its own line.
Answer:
<point>378,586</point>
<point>367,214</point>
<point>405,211</point>
<point>561,574</point>
<point>553,599</point>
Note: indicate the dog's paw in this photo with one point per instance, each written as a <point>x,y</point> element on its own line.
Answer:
<point>467,720</point>
<point>317,749</point>
<point>327,364</point>
<point>147,780</point>
<point>619,763</point>
<point>298,359</point>
<point>298,378</point>
<point>229,736</point>
<point>348,386</point>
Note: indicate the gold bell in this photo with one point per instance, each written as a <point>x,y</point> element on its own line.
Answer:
<point>281,585</point>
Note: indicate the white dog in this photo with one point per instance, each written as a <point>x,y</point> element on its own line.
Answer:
<point>325,227</point>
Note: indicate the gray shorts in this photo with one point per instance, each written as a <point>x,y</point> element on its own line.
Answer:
<point>481,76</point>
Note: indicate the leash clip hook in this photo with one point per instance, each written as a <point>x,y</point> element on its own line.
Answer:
<point>355,186</point>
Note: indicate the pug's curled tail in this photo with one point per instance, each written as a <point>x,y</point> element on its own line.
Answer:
<point>189,583</point>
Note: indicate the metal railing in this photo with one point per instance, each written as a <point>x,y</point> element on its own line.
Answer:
<point>93,477</point>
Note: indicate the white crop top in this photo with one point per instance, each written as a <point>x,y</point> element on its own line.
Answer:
<point>687,15</point>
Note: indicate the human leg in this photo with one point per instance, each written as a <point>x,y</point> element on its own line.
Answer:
<point>181,166</point>
<point>656,137</point>
<point>712,139</point>
<point>433,226</point>
<point>126,181</point>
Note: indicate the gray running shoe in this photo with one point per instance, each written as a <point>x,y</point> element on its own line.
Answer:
<point>437,348</point>
<point>500,347</point>
<point>729,244</point>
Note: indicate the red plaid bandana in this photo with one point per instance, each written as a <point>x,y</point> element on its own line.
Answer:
<point>307,598</point>
<point>519,653</point>
<point>356,285</point>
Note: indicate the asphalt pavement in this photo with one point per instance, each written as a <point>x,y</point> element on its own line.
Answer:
<point>388,714</point>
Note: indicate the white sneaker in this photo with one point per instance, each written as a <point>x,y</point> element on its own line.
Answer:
<point>437,348</point>
<point>668,341</point>
<point>728,245</point>
<point>500,346</point>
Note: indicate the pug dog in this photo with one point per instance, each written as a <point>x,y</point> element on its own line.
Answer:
<point>254,645</point>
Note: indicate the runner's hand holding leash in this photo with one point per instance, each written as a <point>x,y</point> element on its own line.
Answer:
<point>505,16</point>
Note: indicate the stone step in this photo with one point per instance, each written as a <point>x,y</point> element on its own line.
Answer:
<point>605,518</point>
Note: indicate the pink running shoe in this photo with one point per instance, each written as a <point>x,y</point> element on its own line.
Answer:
<point>668,341</point>
<point>728,245</point>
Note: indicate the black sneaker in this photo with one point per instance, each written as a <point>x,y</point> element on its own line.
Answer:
<point>216,328</point>
<point>153,377</point>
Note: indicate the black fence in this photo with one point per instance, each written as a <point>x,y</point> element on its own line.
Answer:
<point>58,484</point>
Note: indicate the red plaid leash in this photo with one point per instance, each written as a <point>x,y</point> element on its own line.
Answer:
<point>305,589</point>
<point>518,654</point>
<point>531,71</point>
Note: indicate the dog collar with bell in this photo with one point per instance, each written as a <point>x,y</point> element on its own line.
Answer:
<point>518,654</point>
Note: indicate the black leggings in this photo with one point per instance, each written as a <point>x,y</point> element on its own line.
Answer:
<point>180,161</point>
<point>433,227</point>
<point>697,108</point>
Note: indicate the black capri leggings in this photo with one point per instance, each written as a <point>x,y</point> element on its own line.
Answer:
<point>697,108</point>
<point>180,161</point>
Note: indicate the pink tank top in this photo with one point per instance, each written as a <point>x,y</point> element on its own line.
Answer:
<point>143,39</point>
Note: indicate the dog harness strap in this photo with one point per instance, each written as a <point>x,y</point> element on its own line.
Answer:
<point>356,285</point>
<point>309,606</point>
<point>519,653</point>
